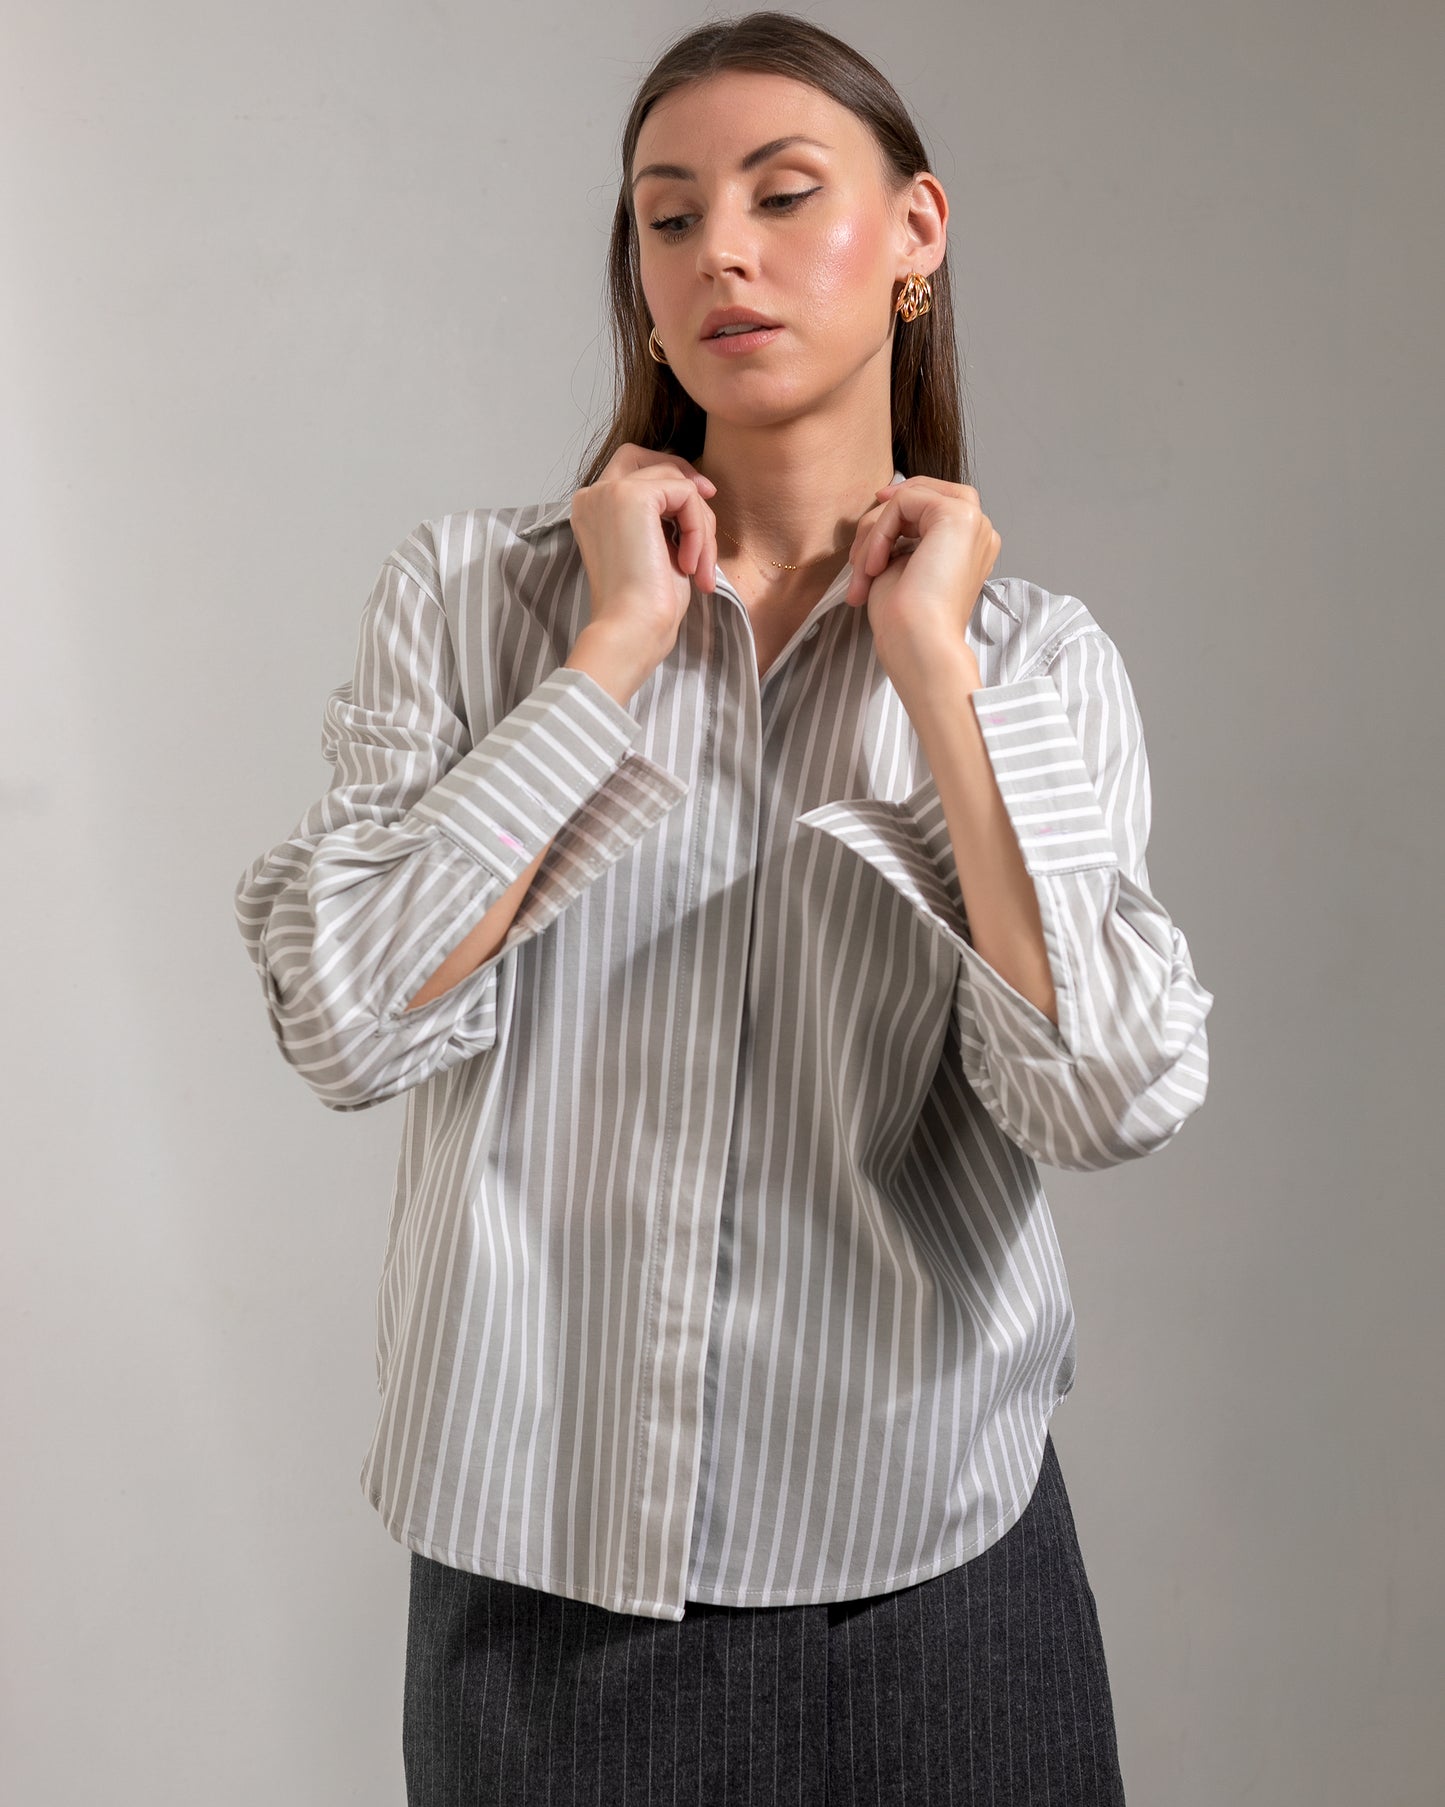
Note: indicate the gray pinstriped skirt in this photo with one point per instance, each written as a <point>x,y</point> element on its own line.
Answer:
<point>984,1685</point>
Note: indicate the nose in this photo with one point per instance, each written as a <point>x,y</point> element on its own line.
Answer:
<point>721,245</point>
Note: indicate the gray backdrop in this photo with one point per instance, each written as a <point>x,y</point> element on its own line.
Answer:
<point>244,349</point>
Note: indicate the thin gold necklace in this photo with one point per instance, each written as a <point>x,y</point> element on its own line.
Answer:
<point>771,561</point>
<point>781,567</point>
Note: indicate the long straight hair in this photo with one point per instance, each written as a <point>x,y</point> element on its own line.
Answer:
<point>651,408</point>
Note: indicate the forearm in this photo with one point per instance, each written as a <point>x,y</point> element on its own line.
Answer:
<point>998,894</point>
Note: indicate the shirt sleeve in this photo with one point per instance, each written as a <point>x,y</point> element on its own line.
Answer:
<point>1128,1063</point>
<point>417,837</point>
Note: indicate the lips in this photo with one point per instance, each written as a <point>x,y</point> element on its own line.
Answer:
<point>734,316</point>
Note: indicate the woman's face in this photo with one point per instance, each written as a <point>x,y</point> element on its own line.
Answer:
<point>824,265</point>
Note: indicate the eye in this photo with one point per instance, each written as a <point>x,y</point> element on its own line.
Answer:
<point>669,229</point>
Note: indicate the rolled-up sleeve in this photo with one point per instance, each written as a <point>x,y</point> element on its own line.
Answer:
<point>1128,1062</point>
<point>418,835</point>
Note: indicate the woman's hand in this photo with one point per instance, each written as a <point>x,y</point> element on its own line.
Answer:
<point>920,560</point>
<point>641,579</point>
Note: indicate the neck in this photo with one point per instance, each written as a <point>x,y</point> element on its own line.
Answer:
<point>793,495</point>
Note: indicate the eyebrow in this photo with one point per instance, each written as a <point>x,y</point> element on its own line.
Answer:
<point>751,161</point>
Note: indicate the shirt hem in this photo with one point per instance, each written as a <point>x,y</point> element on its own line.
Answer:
<point>925,1571</point>
<point>748,1597</point>
<point>506,1571</point>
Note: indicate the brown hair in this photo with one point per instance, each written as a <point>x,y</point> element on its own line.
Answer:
<point>651,407</point>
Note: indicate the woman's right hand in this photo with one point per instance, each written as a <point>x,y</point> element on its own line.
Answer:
<point>641,580</point>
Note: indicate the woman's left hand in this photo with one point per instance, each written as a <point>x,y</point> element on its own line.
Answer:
<point>920,596</point>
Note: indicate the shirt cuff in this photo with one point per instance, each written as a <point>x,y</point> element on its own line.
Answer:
<point>1061,830</point>
<point>563,752</point>
<point>1045,784</point>
<point>907,843</point>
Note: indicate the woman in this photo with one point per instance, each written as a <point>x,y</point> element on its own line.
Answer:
<point>746,894</point>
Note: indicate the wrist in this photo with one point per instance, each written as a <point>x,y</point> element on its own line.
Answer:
<point>947,668</point>
<point>610,660</point>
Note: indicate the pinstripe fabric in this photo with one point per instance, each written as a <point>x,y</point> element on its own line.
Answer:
<point>719,1267</point>
<point>987,1684</point>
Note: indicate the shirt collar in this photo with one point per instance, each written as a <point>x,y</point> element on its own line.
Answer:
<point>554,514</point>
<point>558,512</point>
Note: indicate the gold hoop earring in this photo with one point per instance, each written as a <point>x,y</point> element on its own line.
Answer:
<point>915,297</point>
<point>654,345</point>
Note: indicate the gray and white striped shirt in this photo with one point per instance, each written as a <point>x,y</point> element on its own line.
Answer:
<point>719,1267</point>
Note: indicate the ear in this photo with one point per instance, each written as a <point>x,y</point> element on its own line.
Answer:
<point>924,225</point>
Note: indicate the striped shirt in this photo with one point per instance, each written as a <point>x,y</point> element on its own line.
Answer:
<point>719,1267</point>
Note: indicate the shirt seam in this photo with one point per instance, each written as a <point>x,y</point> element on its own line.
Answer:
<point>441,828</point>
<point>420,582</point>
<point>1038,666</point>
